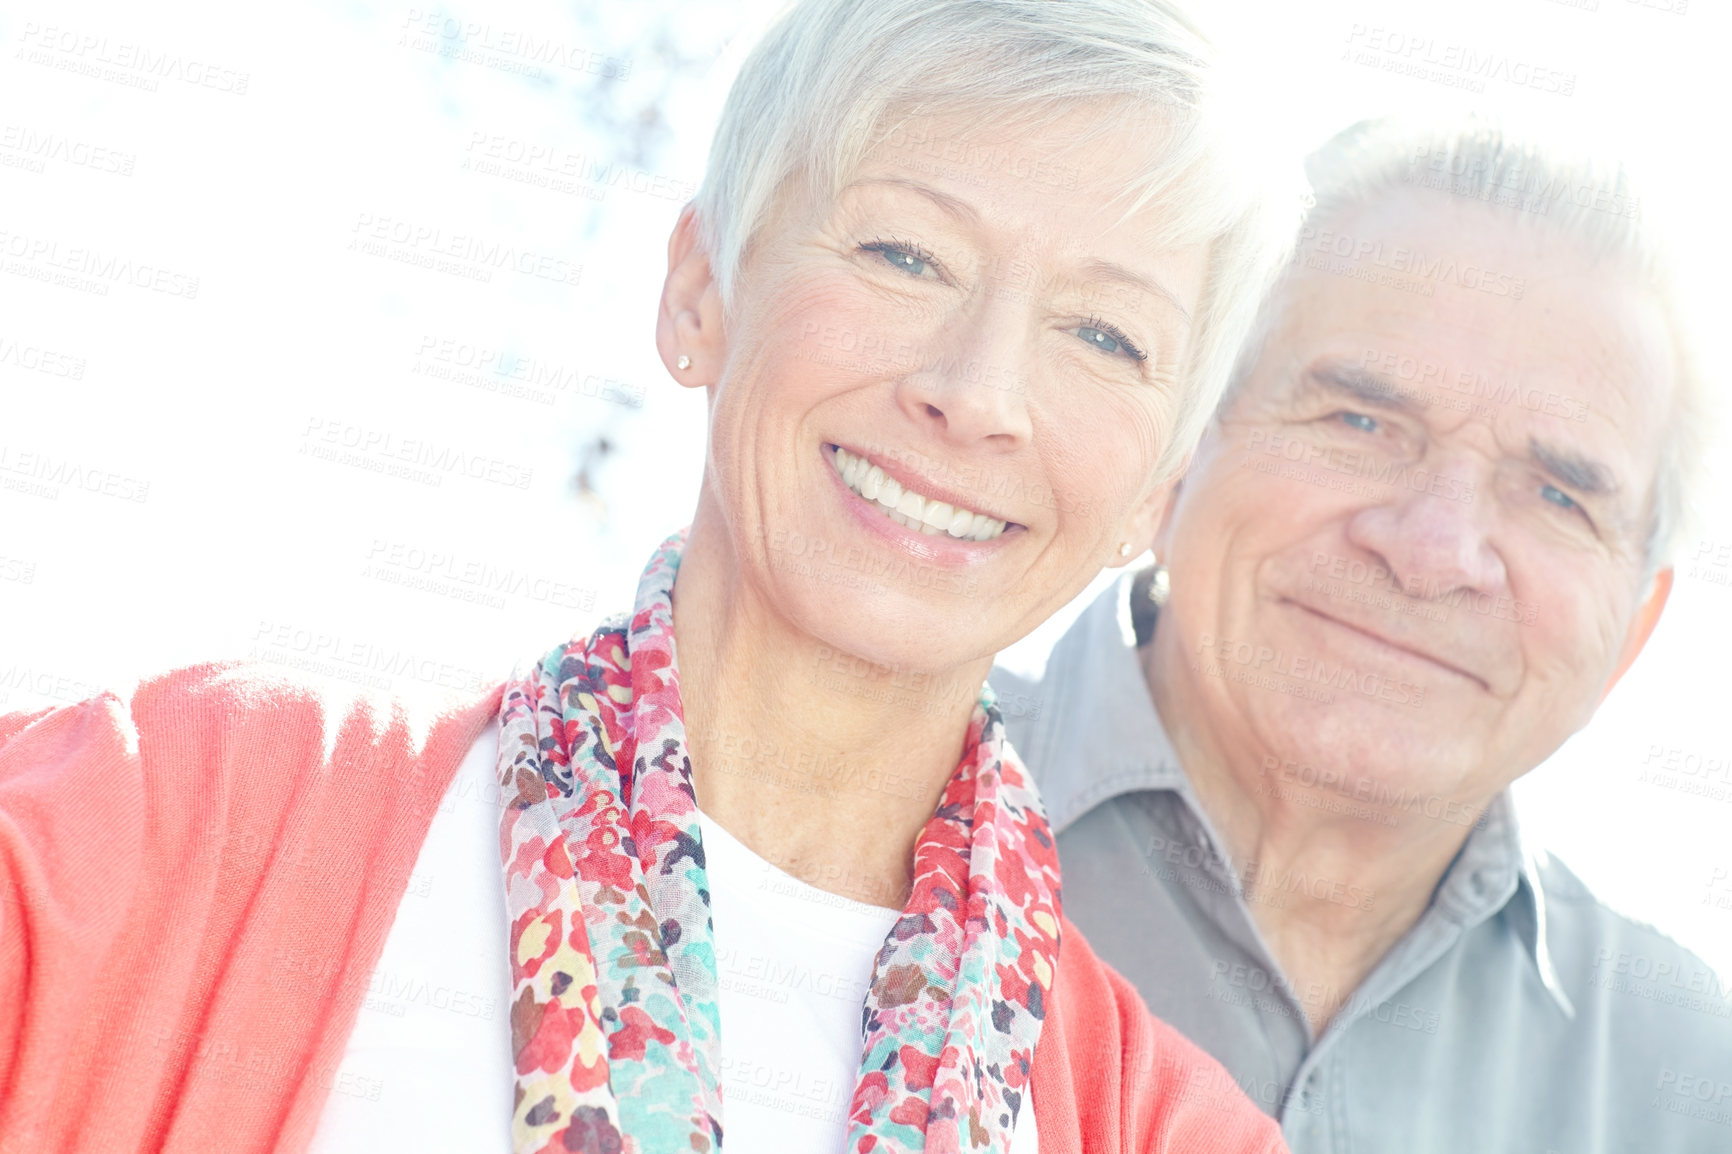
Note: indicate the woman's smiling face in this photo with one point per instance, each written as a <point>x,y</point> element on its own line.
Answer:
<point>946,390</point>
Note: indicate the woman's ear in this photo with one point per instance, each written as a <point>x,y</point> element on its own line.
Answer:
<point>689,333</point>
<point>1148,526</point>
<point>1164,527</point>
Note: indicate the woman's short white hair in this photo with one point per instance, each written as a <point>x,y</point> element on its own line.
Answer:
<point>831,76</point>
<point>1588,201</point>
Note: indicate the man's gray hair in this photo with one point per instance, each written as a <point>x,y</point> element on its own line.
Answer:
<point>1587,201</point>
<point>831,77</point>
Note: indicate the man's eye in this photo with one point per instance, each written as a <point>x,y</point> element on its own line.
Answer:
<point>909,258</point>
<point>1108,339</point>
<point>1559,498</point>
<point>1360,421</point>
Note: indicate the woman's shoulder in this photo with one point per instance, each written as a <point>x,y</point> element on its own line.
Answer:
<point>230,731</point>
<point>226,707</point>
<point>1131,1082</point>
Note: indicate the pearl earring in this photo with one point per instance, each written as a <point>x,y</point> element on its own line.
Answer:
<point>684,362</point>
<point>1124,548</point>
<point>1160,585</point>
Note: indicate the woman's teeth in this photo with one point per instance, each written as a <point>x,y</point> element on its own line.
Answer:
<point>906,507</point>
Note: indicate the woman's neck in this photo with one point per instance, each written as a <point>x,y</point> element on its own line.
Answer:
<point>822,763</point>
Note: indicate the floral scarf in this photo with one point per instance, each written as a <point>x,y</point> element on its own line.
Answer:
<point>614,1020</point>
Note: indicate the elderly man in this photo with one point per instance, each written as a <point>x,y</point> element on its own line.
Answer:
<point>1426,534</point>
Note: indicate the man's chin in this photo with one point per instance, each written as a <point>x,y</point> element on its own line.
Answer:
<point>1366,752</point>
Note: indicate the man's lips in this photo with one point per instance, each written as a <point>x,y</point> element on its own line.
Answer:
<point>1376,638</point>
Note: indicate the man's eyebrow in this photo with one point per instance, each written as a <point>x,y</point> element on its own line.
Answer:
<point>1583,474</point>
<point>1352,381</point>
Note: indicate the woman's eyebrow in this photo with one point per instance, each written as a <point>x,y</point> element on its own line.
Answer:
<point>1109,270</point>
<point>959,209</point>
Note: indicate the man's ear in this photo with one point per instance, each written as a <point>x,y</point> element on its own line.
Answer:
<point>689,321</point>
<point>1641,626</point>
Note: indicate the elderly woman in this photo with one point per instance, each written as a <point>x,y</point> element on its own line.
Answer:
<point>958,289</point>
<point>1430,529</point>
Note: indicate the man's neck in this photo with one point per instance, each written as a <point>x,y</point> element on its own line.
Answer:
<point>1331,893</point>
<point>822,763</point>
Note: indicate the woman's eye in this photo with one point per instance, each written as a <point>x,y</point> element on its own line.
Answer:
<point>1559,498</point>
<point>908,259</point>
<point>1100,335</point>
<point>1098,339</point>
<point>1360,421</point>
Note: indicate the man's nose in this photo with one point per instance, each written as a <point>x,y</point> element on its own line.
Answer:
<point>1432,532</point>
<point>972,385</point>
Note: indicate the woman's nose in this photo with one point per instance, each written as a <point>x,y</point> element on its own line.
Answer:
<point>971,386</point>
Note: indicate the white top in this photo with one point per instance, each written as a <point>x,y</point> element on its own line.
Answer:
<point>429,1064</point>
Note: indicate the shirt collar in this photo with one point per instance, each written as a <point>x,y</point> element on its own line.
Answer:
<point>1099,736</point>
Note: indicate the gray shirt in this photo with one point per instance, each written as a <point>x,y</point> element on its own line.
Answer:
<point>1518,1015</point>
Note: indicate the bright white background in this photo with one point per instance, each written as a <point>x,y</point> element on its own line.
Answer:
<point>127,143</point>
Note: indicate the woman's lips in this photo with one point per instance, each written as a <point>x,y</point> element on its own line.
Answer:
<point>922,512</point>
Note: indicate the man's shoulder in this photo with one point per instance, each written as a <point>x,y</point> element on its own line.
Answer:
<point>1623,973</point>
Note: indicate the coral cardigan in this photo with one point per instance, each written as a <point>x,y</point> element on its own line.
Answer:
<point>196,884</point>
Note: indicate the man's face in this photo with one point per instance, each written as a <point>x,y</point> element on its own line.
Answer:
<point>1412,552</point>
